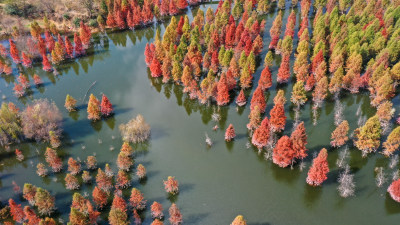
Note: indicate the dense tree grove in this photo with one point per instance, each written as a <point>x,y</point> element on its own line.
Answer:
<point>341,47</point>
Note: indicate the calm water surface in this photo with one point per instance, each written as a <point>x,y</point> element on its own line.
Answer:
<point>216,183</point>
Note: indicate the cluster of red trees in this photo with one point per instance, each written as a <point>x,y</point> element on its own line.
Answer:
<point>228,59</point>
<point>130,14</point>
<point>95,109</point>
<point>38,47</point>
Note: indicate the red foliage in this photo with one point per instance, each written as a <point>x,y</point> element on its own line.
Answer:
<point>19,91</point>
<point>318,58</point>
<point>23,81</point>
<point>37,80</point>
<point>164,8</point>
<point>149,53</point>
<point>261,134</point>
<point>46,64</point>
<point>100,197</point>
<point>3,51</point>
<point>171,185</point>
<point>85,34</point>
<point>173,10</point>
<point>258,99</point>
<point>265,81</point>
<point>110,20</point>
<point>310,83</point>
<point>182,4</point>
<point>119,20</point>
<point>175,216</point>
<point>137,200</point>
<point>19,155</point>
<point>241,99</point>
<point>69,49</point>
<point>156,210</point>
<point>230,133</point>
<point>78,45</point>
<point>222,92</point>
<point>26,60</point>
<point>319,169</point>
<point>14,53</point>
<point>284,153</point>
<point>16,211</point>
<point>278,118</point>
<point>284,70</point>
<point>74,167</point>
<point>394,190</point>
<point>299,140</point>
<point>155,68</point>
<point>49,41</point>
<point>41,46</point>
<point>230,36</point>
<point>119,203</point>
<point>31,216</point>
<point>105,107</point>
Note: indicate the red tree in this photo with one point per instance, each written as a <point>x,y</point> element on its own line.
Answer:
<point>26,60</point>
<point>16,211</point>
<point>261,134</point>
<point>31,216</point>
<point>137,200</point>
<point>173,10</point>
<point>241,99</point>
<point>69,49</point>
<point>53,160</point>
<point>299,139</point>
<point>100,197</point>
<point>78,45</point>
<point>105,107</point>
<point>222,92</point>
<point>175,216</point>
<point>278,118</point>
<point>284,153</point>
<point>182,4</point>
<point>37,80</point>
<point>394,190</point>
<point>110,20</point>
<point>284,70</point>
<point>14,53</point>
<point>265,81</point>
<point>156,210</point>
<point>155,68</point>
<point>230,133</point>
<point>85,34</point>
<point>319,169</point>
<point>171,185</point>
<point>19,91</point>
<point>46,64</point>
<point>258,99</point>
<point>148,53</point>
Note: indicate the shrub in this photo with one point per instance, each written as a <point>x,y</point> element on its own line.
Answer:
<point>76,21</point>
<point>136,130</point>
<point>41,120</point>
<point>93,23</point>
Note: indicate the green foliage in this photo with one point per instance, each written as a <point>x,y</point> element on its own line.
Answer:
<point>76,21</point>
<point>10,126</point>
<point>93,23</point>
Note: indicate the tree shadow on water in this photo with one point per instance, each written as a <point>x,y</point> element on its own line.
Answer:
<point>391,206</point>
<point>196,218</point>
<point>311,195</point>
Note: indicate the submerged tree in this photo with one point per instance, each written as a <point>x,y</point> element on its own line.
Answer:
<point>171,185</point>
<point>10,125</point>
<point>261,134</point>
<point>239,220</point>
<point>284,153</point>
<point>175,216</point>
<point>93,108</point>
<point>230,133</point>
<point>346,183</point>
<point>40,119</point>
<point>156,210</point>
<point>394,190</point>
<point>70,103</point>
<point>136,130</point>
<point>339,135</point>
<point>319,169</point>
<point>392,142</point>
<point>367,137</point>
<point>105,106</point>
<point>137,200</point>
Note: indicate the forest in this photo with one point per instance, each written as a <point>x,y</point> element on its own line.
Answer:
<point>307,56</point>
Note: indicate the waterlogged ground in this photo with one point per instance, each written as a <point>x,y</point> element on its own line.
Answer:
<point>216,183</point>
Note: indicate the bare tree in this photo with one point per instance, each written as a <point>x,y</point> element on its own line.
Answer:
<point>380,176</point>
<point>346,183</point>
<point>394,160</point>
<point>343,155</point>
